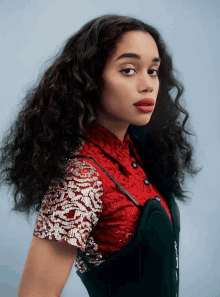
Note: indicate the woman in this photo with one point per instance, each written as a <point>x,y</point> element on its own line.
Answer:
<point>100,148</point>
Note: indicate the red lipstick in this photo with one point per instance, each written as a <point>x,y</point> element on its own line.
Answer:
<point>144,108</point>
<point>145,105</point>
<point>145,101</point>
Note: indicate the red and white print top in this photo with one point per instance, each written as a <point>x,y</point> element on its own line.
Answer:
<point>87,209</point>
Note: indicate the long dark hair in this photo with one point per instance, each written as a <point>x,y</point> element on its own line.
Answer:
<point>57,110</point>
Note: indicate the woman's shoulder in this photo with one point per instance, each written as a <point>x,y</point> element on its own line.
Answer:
<point>72,208</point>
<point>84,161</point>
<point>82,184</point>
<point>82,168</point>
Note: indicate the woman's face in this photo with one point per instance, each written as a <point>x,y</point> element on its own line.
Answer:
<point>121,89</point>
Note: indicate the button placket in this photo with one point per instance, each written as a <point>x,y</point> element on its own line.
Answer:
<point>134,164</point>
<point>157,198</point>
<point>146,181</point>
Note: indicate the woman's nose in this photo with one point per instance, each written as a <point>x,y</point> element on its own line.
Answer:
<point>146,83</point>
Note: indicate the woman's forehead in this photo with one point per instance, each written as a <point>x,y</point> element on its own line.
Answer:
<point>140,44</point>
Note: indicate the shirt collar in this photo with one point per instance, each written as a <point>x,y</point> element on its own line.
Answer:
<point>111,145</point>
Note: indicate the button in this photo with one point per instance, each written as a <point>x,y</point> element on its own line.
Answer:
<point>134,164</point>
<point>157,198</point>
<point>146,181</point>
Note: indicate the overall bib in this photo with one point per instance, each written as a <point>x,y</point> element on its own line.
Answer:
<point>148,266</point>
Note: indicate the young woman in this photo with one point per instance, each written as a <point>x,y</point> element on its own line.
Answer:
<point>100,149</point>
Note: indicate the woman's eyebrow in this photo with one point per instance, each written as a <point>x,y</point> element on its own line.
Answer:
<point>133,55</point>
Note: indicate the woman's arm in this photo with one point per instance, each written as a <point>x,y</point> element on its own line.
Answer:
<point>46,268</point>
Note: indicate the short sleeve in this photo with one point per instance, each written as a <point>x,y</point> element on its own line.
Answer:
<point>70,211</point>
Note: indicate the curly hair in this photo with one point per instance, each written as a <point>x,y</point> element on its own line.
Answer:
<point>59,107</point>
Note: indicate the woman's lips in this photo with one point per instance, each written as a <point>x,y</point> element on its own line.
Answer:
<point>144,108</point>
<point>145,101</point>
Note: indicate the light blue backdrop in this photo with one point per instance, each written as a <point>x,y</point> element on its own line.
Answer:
<point>32,31</point>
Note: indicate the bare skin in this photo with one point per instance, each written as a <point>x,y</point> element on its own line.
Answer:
<point>46,268</point>
<point>120,90</point>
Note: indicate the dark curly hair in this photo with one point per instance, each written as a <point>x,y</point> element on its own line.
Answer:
<point>57,110</point>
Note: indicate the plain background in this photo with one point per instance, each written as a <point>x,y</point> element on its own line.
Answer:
<point>33,31</point>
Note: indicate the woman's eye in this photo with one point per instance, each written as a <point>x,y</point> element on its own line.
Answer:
<point>156,72</point>
<point>126,71</point>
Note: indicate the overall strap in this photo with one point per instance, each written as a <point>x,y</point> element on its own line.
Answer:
<point>112,178</point>
<point>81,253</point>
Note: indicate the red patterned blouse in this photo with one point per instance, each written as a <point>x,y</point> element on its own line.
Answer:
<point>88,209</point>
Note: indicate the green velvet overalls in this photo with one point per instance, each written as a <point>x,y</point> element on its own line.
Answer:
<point>149,265</point>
